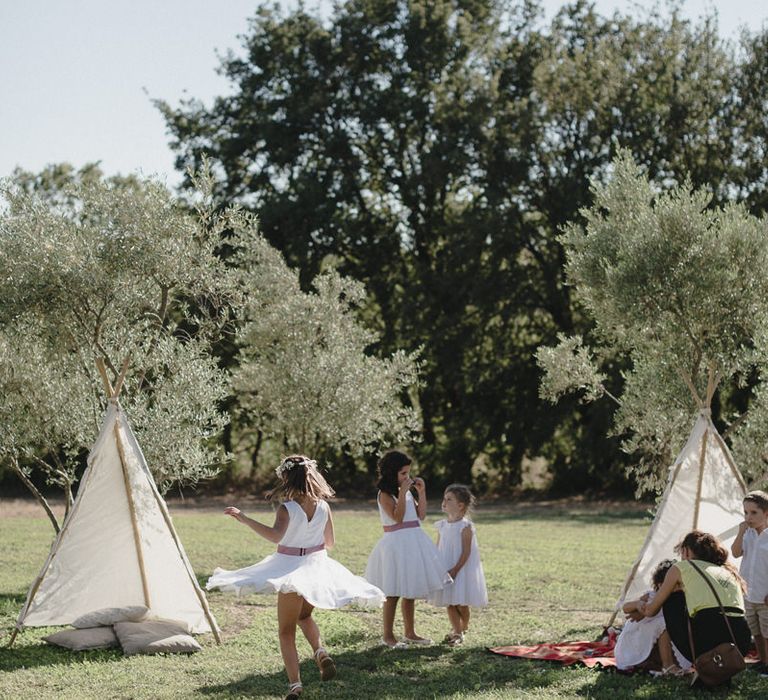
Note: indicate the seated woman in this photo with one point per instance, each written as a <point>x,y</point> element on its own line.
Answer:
<point>685,596</point>
<point>642,637</point>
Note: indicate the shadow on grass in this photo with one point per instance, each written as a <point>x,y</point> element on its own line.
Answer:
<point>25,654</point>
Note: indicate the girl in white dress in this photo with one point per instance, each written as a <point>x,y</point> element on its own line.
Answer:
<point>301,572</point>
<point>457,542</point>
<point>405,562</point>
<point>640,635</point>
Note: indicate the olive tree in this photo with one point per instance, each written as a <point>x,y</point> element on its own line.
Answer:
<point>677,291</point>
<point>307,379</point>
<point>110,269</point>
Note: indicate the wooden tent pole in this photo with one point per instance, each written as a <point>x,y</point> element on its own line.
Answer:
<point>648,538</point>
<point>730,461</point>
<point>121,377</point>
<point>13,637</point>
<point>695,394</point>
<point>702,458</point>
<point>132,509</point>
<point>104,376</point>
<point>200,595</point>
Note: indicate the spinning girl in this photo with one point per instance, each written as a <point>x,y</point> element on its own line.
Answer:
<point>405,562</point>
<point>301,571</point>
<point>457,543</point>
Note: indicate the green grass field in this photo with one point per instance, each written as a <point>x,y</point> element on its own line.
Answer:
<point>553,574</point>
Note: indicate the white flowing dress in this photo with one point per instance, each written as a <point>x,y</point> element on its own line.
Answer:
<point>635,643</point>
<point>468,588</point>
<point>405,562</point>
<point>320,580</point>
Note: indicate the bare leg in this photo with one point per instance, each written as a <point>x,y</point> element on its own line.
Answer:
<point>408,608</point>
<point>390,606</point>
<point>454,616</point>
<point>464,615</point>
<point>289,607</point>
<point>761,643</point>
<point>309,626</point>
<point>665,650</point>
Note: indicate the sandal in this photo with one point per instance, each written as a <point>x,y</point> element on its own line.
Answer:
<point>396,645</point>
<point>325,664</point>
<point>420,641</point>
<point>453,640</point>
<point>294,691</point>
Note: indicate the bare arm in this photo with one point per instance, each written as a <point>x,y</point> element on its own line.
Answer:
<point>737,548</point>
<point>272,534</point>
<point>466,549</point>
<point>395,508</point>
<point>328,535</point>
<point>421,503</point>
<point>671,583</point>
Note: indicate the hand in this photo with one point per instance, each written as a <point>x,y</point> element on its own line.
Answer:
<point>743,527</point>
<point>406,484</point>
<point>236,513</point>
<point>420,485</point>
<point>635,615</point>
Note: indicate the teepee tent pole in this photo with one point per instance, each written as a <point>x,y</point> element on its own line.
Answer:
<point>730,461</point>
<point>104,377</point>
<point>201,597</point>
<point>132,510</point>
<point>702,458</point>
<point>648,538</point>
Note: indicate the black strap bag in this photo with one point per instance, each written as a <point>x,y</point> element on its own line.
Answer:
<point>720,664</point>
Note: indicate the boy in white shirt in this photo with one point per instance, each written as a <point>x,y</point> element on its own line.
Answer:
<point>752,544</point>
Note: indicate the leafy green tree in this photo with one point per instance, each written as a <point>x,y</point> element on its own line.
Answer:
<point>108,269</point>
<point>432,150</point>
<point>305,380</point>
<point>678,287</point>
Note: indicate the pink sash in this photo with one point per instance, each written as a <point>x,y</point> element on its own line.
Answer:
<point>401,526</point>
<point>299,551</point>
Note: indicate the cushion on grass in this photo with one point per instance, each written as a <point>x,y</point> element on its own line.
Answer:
<point>82,639</point>
<point>109,616</point>
<point>155,637</point>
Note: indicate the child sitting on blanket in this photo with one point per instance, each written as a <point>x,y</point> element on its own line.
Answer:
<point>640,636</point>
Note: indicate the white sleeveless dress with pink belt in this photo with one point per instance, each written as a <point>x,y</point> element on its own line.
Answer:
<point>405,561</point>
<point>301,565</point>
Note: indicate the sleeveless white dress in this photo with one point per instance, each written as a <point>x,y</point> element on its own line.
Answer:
<point>405,562</point>
<point>637,638</point>
<point>320,580</point>
<point>468,588</point>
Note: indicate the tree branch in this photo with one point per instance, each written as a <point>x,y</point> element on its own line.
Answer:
<point>39,496</point>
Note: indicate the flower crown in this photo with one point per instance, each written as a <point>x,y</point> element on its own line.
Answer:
<point>290,462</point>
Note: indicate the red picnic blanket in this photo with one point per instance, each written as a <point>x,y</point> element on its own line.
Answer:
<point>590,654</point>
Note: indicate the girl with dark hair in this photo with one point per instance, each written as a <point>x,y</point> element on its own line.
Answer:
<point>685,596</point>
<point>644,641</point>
<point>405,562</point>
<point>301,572</point>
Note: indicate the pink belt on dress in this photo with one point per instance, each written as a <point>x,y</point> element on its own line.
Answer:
<point>401,526</point>
<point>299,551</point>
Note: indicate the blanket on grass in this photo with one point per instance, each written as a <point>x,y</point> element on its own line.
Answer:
<point>590,654</point>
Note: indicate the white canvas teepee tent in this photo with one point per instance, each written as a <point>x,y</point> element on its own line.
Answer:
<point>117,547</point>
<point>704,491</point>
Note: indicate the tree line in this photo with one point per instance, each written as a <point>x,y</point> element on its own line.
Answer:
<point>434,151</point>
<point>412,166</point>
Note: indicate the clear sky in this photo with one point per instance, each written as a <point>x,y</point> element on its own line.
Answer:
<point>77,76</point>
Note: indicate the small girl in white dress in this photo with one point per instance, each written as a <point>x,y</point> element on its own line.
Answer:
<point>640,635</point>
<point>405,562</point>
<point>301,572</point>
<point>457,542</point>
